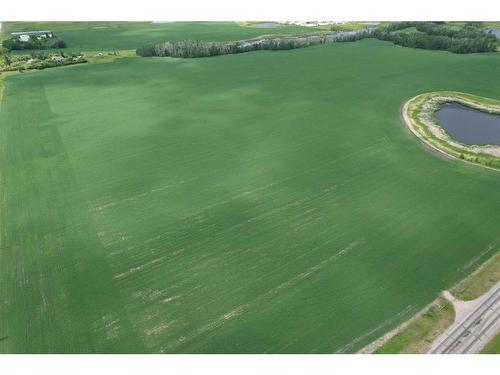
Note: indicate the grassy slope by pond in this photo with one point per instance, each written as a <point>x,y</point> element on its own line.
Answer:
<point>95,36</point>
<point>265,202</point>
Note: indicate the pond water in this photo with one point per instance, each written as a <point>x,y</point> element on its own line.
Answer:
<point>496,32</point>
<point>468,125</point>
<point>266,25</point>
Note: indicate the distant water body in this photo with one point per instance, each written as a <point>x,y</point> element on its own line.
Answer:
<point>266,25</point>
<point>496,32</point>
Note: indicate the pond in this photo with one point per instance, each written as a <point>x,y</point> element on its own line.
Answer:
<point>468,125</point>
<point>496,32</point>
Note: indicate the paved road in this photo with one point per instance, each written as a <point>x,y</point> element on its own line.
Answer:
<point>471,333</point>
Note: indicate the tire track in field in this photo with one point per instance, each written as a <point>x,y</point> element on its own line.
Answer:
<point>241,309</point>
<point>104,206</point>
<point>139,267</point>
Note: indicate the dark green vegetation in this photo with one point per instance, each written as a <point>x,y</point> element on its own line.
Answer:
<point>98,36</point>
<point>493,347</point>
<point>419,335</point>
<point>34,43</point>
<point>196,48</point>
<point>469,38</point>
<point>260,202</point>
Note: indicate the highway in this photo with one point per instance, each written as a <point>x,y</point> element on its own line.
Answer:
<point>473,329</point>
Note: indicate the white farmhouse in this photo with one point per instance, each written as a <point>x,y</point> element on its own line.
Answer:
<point>24,36</point>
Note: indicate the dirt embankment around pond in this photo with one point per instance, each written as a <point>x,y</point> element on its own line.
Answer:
<point>418,115</point>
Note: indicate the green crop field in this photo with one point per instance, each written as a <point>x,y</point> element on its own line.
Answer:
<point>95,36</point>
<point>260,202</point>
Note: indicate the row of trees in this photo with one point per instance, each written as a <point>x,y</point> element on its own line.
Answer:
<point>436,36</point>
<point>44,55</point>
<point>469,38</point>
<point>196,48</point>
<point>49,63</point>
<point>34,43</point>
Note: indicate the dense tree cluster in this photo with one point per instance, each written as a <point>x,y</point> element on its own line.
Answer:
<point>196,48</point>
<point>34,43</point>
<point>470,38</point>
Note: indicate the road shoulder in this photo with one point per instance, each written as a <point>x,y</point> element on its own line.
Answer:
<point>476,323</point>
<point>418,333</point>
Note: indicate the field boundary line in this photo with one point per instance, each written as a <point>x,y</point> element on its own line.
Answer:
<point>374,345</point>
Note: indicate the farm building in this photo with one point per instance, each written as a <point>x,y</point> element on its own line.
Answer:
<point>25,36</point>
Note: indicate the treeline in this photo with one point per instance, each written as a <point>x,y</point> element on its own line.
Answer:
<point>196,48</point>
<point>34,43</point>
<point>437,36</point>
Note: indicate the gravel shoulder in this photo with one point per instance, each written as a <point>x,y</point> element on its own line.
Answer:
<point>421,332</point>
<point>416,334</point>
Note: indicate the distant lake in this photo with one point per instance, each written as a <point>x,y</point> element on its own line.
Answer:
<point>496,32</point>
<point>266,25</point>
<point>468,125</point>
